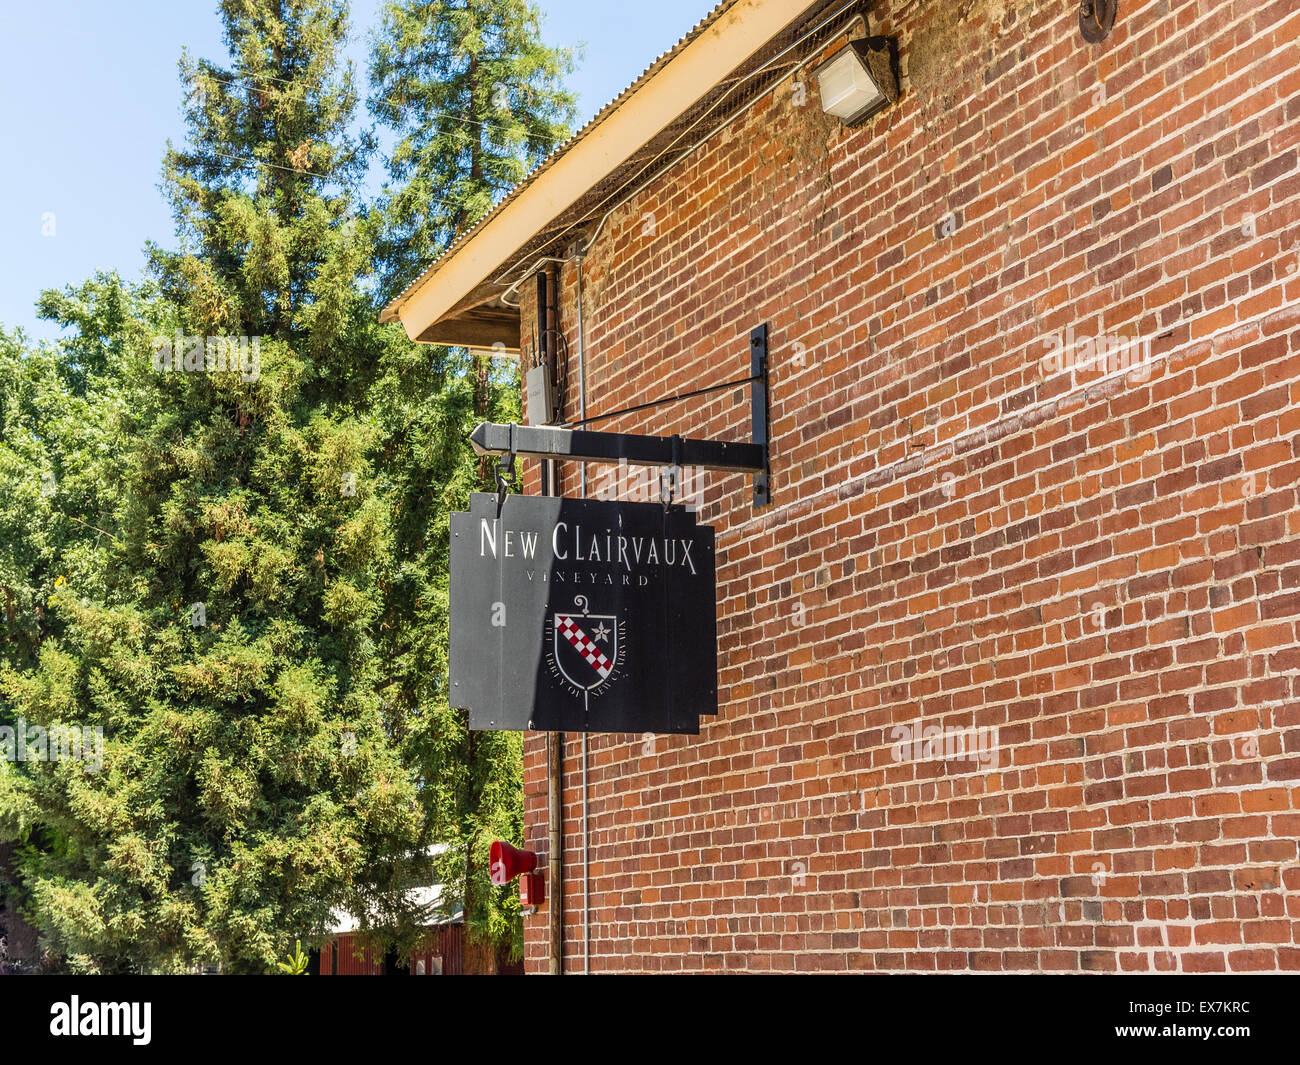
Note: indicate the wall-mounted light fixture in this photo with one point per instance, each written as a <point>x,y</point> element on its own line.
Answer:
<point>859,80</point>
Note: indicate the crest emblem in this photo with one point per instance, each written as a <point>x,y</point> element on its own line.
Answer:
<point>585,649</point>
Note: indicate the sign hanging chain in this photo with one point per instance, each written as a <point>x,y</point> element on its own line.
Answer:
<point>670,476</point>
<point>505,465</point>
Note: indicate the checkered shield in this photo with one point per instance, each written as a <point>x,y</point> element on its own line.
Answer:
<point>585,648</point>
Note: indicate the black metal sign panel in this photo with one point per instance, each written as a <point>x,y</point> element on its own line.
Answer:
<point>579,615</point>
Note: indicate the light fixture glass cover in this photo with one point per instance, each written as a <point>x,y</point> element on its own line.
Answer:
<point>858,80</point>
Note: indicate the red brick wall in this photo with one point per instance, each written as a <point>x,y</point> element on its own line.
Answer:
<point>1102,566</point>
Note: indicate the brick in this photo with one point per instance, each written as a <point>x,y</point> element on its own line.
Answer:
<point>978,534</point>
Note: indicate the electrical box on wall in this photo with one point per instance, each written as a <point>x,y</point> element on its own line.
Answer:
<point>532,891</point>
<point>537,385</point>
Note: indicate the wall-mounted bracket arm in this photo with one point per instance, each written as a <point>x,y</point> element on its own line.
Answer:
<point>588,445</point>
<point>585,445</point>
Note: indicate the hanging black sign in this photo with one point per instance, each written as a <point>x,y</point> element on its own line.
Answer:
<point>579,615</point>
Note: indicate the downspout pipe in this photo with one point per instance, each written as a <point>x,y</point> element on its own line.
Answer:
<point>546,314</point>
<point>579,255</point>
<point>555,848</point>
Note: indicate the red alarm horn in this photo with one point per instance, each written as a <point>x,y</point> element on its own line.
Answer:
<point>506,863</point>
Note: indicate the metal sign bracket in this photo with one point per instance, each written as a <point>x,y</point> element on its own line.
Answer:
<point>586,445</point>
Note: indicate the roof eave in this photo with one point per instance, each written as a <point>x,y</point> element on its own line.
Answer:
<point>731,34</point>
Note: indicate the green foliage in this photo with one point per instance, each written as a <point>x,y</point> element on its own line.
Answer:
<point>241,578</point>
<point>296,963</point>
<point>475,100</point>
<point>251,782</point>
<point>472,789</point>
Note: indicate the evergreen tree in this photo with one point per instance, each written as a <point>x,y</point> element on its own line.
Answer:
<point>251,781</point>
<point>62,459</point>
<point>233,561</point>
<point>473,99</point>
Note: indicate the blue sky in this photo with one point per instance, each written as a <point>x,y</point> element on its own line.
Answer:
<point>89,95</point>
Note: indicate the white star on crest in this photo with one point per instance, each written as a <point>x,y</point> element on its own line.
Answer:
<point>600,633</point>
